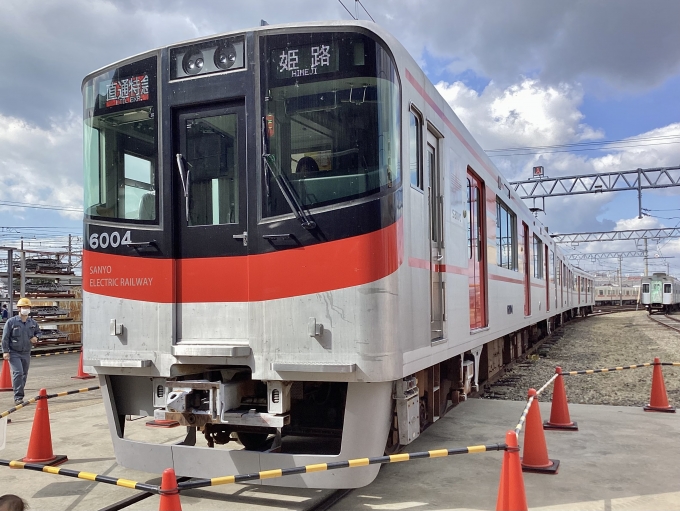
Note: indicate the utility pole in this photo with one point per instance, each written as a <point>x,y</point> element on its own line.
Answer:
<point>620,283</point>
<point>69,253</point>
<point>22,273</point>
<point>10,282</point>
<point>646,259</point>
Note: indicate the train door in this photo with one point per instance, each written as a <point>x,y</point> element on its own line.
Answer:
<point>435,199</point>
<point>527,268</point>
<point>547,277</point>
<point>578,288</point>
<point>209,176</point>
<point>476,238</point>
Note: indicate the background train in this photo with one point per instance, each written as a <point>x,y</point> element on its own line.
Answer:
<point>660,293</point>
<point>291,236</point>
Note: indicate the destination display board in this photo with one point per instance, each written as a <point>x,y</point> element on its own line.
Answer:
<point>304,60</point>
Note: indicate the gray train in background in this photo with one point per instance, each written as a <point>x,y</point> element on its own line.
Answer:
<point>660,293</point>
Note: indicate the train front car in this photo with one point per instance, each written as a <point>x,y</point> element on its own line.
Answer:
<point>243,232</point>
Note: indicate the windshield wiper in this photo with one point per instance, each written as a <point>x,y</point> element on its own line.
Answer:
<point>288,192</point>
<point>283,184</point>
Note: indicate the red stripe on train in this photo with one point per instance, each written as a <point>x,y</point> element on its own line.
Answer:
<point>294,272</point>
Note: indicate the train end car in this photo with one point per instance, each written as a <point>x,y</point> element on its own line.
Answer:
<point>291,241</point>
<point>660,293</point>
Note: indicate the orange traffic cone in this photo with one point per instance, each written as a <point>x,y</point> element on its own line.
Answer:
<point>5,377</point>
<point>535,457</point>
<point>559,413</point>
<point>169,492</point>
<point>658,402</point>
<point>511,496</point>
<point>40,444</point>
<point>81,374</point>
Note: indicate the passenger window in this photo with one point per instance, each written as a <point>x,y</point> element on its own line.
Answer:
<point>415,151</point>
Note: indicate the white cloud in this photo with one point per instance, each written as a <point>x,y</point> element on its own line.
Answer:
<point>42,165</point>
<point>527,113</point>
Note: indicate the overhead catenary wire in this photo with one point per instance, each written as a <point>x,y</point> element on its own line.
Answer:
<point>581,144</point>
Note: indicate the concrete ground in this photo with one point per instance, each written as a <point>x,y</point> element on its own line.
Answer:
<point>620,459</point>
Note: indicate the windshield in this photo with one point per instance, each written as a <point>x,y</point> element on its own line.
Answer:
<point>120,144</point>
<point>331,125</point>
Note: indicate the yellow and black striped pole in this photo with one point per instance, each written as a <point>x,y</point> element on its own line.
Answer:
<point>126,483</point>
<point>321,467</point>
<point>48,396</point>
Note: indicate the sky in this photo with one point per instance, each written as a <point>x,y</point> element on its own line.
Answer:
<point>520,74</point>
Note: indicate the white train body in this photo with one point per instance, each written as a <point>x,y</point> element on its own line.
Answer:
<point>660,293</point>
<point>304,329</point>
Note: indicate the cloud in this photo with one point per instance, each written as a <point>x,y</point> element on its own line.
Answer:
<point>42,165</point>
<point>628,44</point>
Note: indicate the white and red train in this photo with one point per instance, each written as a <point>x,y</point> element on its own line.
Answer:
<point>291,236</point>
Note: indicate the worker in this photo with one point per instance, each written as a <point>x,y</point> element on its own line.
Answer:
<point>10,502</point>
<point>20,333</point>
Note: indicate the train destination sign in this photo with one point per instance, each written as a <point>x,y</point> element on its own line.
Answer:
<point>307,60</point>
<point>127,90</point>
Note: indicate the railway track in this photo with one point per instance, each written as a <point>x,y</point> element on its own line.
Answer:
<point>667,321</point>
<point>322,505</point>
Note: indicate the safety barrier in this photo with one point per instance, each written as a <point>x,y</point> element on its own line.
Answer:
<point>320,467</point>
<point>54,353</point>
<point>126,483</point>
<point>48,396</point>
<point>511,493</point>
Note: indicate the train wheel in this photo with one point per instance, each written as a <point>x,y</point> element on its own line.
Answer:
<point>253,441</point>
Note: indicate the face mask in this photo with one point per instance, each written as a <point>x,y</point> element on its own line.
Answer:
<point>25,311</point>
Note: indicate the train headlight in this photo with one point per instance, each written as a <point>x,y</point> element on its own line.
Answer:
<point>225,56</point>
<point>192,63</point>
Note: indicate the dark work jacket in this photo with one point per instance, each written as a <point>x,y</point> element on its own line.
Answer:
<point>17,335</point>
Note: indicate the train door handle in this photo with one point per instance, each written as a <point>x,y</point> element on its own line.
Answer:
<point>243,237</point>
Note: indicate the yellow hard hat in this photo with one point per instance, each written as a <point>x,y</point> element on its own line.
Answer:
<point>24,302</point>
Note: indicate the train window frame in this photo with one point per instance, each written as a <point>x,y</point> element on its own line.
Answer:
<point>537,257</point>
<point>417,116</point>
<point>511,225</point>
<point>311,102</point>
<point>118,125</point>
<point>645,287</point>
<point>667,286</point>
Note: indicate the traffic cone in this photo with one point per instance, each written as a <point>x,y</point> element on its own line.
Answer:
<point>511,496</point>
<point>535,457</point>
<point>81,374</point>
<point>658,402</point>
<point>559,412</point>
<point>5,377</point>
<point>169,492</point>
<point>40,444</point>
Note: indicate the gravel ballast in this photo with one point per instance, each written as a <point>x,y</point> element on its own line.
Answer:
<point>596,342</point>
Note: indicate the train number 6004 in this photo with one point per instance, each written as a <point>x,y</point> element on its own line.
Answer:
<point>105,239</point>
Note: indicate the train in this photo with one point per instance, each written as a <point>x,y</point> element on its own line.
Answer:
<point>295,248</point>
<point>660,293</point>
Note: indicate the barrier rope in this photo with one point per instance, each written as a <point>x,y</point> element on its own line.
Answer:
<point>523,417</point>
<point>48,396</point>
<point>321,467</point>
<point>55,353</point>
<point>265,474</point>
<point>620,368</point>
<point>134,485</point>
